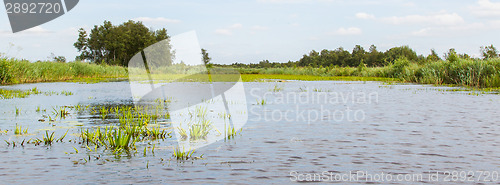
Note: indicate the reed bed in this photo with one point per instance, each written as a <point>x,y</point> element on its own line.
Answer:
<point>14,71</point>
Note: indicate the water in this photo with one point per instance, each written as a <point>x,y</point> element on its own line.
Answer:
<point>305,128</point>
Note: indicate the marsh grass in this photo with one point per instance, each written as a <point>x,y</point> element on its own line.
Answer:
<point>14,71</point>
<point>463,72</point>
<point>19,130</point>
<point>182,154</point>
<point>10,94</point>
<point>277,88</point>
<point>261,102</point>
<point>231,132</point>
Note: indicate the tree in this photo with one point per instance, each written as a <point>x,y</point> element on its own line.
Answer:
<point>489,52</point>
<point>433,56</point>
<point>116,45</point>
<point>400,52</point>
<point>204,56</point>
<point>452,55</point>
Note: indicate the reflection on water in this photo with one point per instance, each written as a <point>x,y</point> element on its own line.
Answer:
<point>337,127</point>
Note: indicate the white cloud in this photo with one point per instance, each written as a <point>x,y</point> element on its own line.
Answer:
<point>236,26</point>
<point>441,19</point>
<point>486,9</point>
<point>223,32</point>
<point>229,29</point>
<point>348,31</point>
<point>156,21</point>
<point>259,28</point>
<point>362,15</point>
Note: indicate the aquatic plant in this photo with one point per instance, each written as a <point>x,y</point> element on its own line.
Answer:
<point>231,132</point>
<point>66,93</point>
<point>19,130</point>
<point>182,132</point>
<point>182,154</point>
<point>61,112</point>
<point>198,131</point>
<point>47,139</point>
<point>10,94</point>
<point>277,88</point>
<point>261,102</point>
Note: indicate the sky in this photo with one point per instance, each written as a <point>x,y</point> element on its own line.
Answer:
<point>248,31</point>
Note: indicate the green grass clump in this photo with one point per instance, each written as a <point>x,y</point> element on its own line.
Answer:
<point>182,154</point>
<point>231,132</point>
<point>10,94</point>
<point>19,130</point>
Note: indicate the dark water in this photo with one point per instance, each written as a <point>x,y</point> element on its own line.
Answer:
<point>307,128</point>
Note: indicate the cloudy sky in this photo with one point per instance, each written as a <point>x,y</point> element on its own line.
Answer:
<point>278,30</point>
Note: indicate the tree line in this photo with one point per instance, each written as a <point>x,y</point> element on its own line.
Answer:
<point>371,58</point>
<point>117,44</point>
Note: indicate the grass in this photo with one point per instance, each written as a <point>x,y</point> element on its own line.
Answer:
<point>231,132</point>
<point>264,77</point>
<point>474,73</point>
<point>10,94</point>
<point>182,154</point>
<point>61,112</point>
<point>14,71</point>
<point>261,102</point>
<point>19,130</point>
<point>277,88</point>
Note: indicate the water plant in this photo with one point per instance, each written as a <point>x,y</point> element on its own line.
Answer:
<point>61,112</point>
<point>182,154</point>
<point>66,93</point>
<point>182,132</point>
<point>261,102</point>
<point>47,139</point>
<point>231,132</point>
<point>19,130</point>
<point>198,131</point>
<point>277,88</point>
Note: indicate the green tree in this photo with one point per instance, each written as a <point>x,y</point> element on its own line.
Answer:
<point>116,45</point>
<point>433,56</point>
<point>489,52</point>
<point>451,55</point>
<point>400,52</point>
<point>206,59</point>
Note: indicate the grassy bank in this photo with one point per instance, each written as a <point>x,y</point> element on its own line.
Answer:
<point>462,72</point>
<point>13,71</point>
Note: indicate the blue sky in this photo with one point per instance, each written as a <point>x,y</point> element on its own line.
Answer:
<point>277,30</point>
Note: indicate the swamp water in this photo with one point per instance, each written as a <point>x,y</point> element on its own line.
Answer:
<point>293,128</point>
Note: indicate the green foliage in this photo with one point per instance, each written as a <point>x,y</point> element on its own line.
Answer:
<point>14,71</point>
<point>452,55</point>
<point>205,58</point>
<point>182,154</point>
<point>489,52</point>
<point>6,74</point>
<point>19,130</point>
<point>116,45</point>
